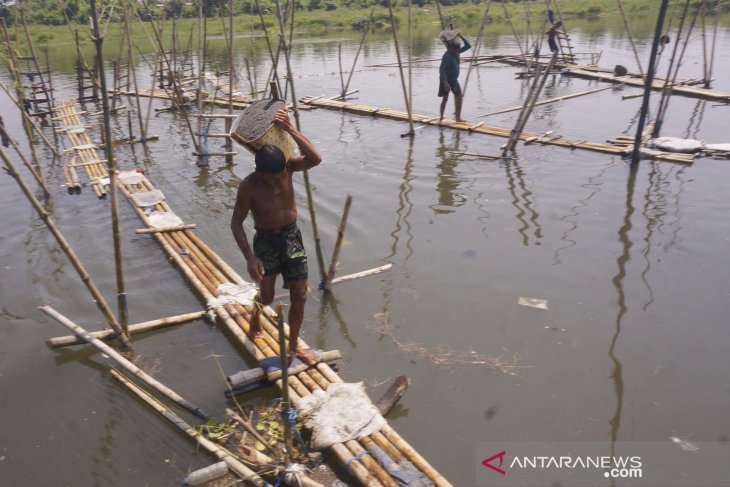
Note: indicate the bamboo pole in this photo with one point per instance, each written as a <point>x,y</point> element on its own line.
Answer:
<point>675,63</point>
<point>231,73</point>
<point>477,46</point>
<point>514,133</point>
<point>98,298</point>
<point>201,81</point>
<point>441,17</point>
<point>248,475</point>
<point>636,155</point>
<point>284,366</point>
<point>175,228</point>
<point>631,39</point>
<point>338,243</point>
<point>305,174</point>
<point>357,54</point>
<point>135,329</point>
<point>342,79</point>
<point>545,102</point>
<point>112,169</point>
<point>124,363</point>
<point>400,70</point>
<point>708,81</point>
<point>131,70</point>
<point>37,173</point>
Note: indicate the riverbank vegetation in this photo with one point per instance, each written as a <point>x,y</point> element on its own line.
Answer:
<point>315,17</point>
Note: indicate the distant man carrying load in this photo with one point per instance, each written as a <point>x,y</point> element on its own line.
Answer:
<point>449,71</point>
<point>268,193</point>
<point>552,34</point>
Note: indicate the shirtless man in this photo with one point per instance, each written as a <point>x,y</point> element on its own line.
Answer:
<point>268,193</point>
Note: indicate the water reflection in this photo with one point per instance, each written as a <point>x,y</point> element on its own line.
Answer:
<point>521,201</point>
<point>617,280</point>
<point>447,180</point>
<point>405,207</point>
<point>696,119</point>
<point>594,185</point>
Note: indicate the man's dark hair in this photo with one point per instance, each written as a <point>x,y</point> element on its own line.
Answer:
<point>270,159</point>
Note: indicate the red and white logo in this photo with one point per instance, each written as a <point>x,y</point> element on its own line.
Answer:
<point>487,462</point>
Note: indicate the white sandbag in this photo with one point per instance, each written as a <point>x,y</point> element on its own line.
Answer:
<point>342,413</point>
<point>718,147</point>
<point>148,198</point>
<point>676,144</point>
<point>164,219</point>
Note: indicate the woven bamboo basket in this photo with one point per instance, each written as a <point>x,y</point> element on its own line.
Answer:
<point>255,127</point>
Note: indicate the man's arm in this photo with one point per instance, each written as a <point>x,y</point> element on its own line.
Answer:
<point>240,212</point>
<point>466,45</point>
<point>310,156</point>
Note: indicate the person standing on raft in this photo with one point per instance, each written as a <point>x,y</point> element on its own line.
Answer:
<point>268,194</point>
<point>449,71</point>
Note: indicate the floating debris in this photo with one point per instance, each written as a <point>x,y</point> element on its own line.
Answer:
<point>533,303</point>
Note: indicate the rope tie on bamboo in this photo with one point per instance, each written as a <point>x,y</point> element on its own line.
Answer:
<point>356,458</point>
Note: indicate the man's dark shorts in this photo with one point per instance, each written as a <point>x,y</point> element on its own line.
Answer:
<point>455,88</point>
<point>282,252</point>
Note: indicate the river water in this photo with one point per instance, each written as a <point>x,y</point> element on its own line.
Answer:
<point>633,346</point>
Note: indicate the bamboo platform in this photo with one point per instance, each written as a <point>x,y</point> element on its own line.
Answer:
<point>206,271</point>
<point>482,128</point>
<point>239,102</point>
<point>597,73</point>
<point>85,153</point>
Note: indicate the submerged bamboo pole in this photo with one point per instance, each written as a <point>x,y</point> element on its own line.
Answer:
<point>284,366</point>
<point>98,298</point>
<point>135,329</point>
<point>112,169</point>
<point>124,363</point>
<point>248,475</point>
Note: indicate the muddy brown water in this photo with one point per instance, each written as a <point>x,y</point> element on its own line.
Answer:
<point>633,346</point>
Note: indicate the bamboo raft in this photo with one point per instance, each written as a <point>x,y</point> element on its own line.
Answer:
<point>85,153</point>
<point>596,73</point>
<point>482,128</point>
<point>206,271</point>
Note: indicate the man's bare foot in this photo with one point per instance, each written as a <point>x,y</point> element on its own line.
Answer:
<point>460,120</point>
<point>309,356</point>
<point>255,330</point>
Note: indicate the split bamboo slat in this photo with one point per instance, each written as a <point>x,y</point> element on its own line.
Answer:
<point>480,128</point>
<point>206,271</point>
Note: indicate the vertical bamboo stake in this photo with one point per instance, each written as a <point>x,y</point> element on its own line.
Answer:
<point>85,278</point>
<point>410,132</point>
<point>631,39</point>
<point>410,63</point>
<point>477,46</point>
<point>199,100</point>
<point>339,60</point>
<point>307,185</point>
<point>441,17</point>
<point>132,71</point>
<point>708,81</point>
<point>286,405</point>
<point>112,168</point>
<point>636,155</point>
<point>362,41</point>
<point>231,73</point>
<point>338,243</point>
<point>704,42</point>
